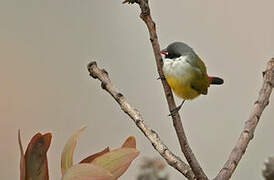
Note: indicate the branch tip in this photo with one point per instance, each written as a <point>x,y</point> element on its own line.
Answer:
<point>90,67</point>
<point>92,63</point>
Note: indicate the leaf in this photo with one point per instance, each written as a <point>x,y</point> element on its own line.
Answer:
<point>130,142</point>
<point>86,171</point>
<point>67,154</point>
<point>22,159</point>
<point>117,161</point>
<point>36,157</point>
<point>90,158</point>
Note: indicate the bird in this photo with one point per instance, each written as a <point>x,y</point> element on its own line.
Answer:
<point>186,73</point>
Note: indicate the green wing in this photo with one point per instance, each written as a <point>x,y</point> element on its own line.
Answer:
<point>200,81</point>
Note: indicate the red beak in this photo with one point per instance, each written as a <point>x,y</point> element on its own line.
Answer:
<point>164,52</point>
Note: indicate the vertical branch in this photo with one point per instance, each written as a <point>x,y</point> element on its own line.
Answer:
<point>177,123</point>
<point>247,133</point>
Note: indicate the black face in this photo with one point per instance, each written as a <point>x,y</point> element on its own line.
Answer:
<point>172,55</point>
<point>177,49</point>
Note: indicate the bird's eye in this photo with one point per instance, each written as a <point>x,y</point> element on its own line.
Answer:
<point>172,56</point>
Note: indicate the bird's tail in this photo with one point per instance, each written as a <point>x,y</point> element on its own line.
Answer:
<point>215,80</point>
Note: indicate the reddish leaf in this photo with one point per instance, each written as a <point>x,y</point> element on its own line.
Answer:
<point>22,159</point>
<point>130,143</point>
<point>36,157</point>
<point>86,171</point>
<point>117,161</point>
<point>90,158</point>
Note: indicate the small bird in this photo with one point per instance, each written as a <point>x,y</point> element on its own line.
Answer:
<point>186,73</point>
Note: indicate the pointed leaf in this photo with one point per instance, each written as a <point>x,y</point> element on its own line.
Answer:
<point>36,157</point>
<point>130,142</point>
<point>67,154</point>
<point>117,161</point>
<point>90,158</point>
<point>87,171</point>
<point>22,159</point>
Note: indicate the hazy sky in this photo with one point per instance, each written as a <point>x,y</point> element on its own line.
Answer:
<point>45,87</point>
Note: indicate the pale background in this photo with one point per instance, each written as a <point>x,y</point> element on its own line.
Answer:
<point>45,87</point>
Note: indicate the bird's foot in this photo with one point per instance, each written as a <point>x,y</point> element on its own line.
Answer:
<point>162,78</point>
<point>174,111</point>
<point>177,109</point>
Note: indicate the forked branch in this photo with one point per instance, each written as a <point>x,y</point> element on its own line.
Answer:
<point>134,114</point>
<point>194,171</point>
<point>177,123</point>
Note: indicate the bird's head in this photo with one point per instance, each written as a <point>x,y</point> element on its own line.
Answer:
<point>177,49</point>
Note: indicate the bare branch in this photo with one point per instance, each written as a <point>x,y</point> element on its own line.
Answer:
<point>134,114</point>
<point>250,125</point>
<point>177,123</point>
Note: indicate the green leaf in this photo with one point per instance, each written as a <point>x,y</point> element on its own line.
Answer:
<point>117,161</point>
<point>86,171</point>
<point>67,154</point>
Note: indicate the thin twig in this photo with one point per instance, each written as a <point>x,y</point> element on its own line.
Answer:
<point>134,114</point>
<point>250,125</point>
<point>177,123</point>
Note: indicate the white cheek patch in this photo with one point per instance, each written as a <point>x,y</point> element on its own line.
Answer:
<point>176,67</point>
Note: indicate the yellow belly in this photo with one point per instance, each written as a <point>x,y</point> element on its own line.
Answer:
<point>182,88</point>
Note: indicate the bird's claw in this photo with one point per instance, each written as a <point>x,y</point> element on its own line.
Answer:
<point>162,78</point>
<point>177,109</point>
<point>174,111</point>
